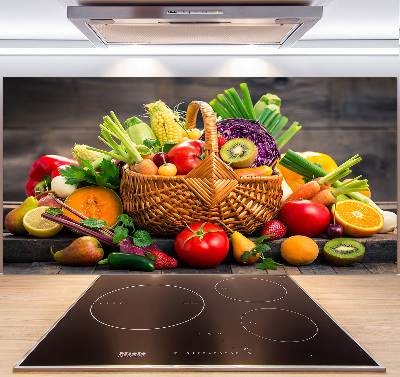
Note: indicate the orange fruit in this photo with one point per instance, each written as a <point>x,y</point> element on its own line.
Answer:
<point>299,250</point>
<point>358,219</point>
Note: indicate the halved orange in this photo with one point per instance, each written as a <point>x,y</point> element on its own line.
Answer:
<point>358,219</point>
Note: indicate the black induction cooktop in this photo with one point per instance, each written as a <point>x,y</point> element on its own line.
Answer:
<point>196,322</point>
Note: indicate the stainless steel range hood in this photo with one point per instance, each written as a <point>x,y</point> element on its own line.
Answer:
<point>121,25</point>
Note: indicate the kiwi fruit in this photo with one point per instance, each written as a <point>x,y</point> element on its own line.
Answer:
<point>343,251</point>
<point>238,152</point>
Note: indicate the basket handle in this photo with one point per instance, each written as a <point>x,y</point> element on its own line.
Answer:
<point>210,124</point>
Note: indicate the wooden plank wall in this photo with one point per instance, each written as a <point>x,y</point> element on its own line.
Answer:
<point>340,117</point>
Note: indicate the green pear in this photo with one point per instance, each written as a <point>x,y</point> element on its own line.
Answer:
<point>13,220</point>
<point>240,244</point>
<point>84,251</point>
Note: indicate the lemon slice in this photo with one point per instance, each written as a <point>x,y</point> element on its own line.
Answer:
<point>38,226</point>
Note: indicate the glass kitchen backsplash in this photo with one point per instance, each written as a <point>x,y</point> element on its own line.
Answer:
<point>339,117</point>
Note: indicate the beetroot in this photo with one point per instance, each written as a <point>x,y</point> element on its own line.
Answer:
<point>127,246</point>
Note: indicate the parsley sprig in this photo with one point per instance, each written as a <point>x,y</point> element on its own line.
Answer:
<point>107,176</point>
<point>140,238</point>
<point>259,249</point>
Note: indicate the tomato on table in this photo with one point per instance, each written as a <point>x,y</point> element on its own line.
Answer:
<point>202,245</point>
<point>304,217</point>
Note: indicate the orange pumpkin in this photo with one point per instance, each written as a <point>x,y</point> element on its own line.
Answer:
<point>95,202</point>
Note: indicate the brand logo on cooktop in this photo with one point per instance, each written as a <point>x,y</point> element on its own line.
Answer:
<point>131,354</point>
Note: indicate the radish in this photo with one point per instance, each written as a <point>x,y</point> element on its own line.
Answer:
<point>61,188</point>
<point>389,222</point>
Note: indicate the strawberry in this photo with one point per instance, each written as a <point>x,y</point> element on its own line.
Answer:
<point>221,141</point>
<point>275,229</point>
<point>163,261</point>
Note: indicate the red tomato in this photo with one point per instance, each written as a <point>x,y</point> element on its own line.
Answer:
<point>202,245</point>
<point>304,217</point>
<point>186,155</point>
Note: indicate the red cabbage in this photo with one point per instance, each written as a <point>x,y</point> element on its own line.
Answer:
<point>268,151</point>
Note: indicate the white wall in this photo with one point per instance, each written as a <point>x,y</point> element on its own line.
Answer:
<point>200,66</point>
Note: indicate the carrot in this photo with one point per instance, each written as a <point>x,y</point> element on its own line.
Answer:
<point>324,186</point>
<point>328,197</point>
<point>259,171</point>
<point>305,191</point>
<point>324,197</point>
<point>147,167</point>
<point>321,183</point>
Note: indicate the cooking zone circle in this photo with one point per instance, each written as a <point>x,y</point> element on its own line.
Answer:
<point>251,290</point>
<point>279,325</point>
<point>127,308</point>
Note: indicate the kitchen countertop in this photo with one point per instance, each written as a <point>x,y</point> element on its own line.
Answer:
<point>367,306</point>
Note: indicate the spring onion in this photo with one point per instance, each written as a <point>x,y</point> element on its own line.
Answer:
<point>308,170</point>
<point>267,112</point>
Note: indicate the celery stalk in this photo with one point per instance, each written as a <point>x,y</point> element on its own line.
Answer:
<point>127,152</point>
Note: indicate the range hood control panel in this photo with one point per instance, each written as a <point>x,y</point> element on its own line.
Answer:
<point>196,12</point>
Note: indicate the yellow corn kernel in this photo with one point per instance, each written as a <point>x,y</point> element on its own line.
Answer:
<point>164,122</point>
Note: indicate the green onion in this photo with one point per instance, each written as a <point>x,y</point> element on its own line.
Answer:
<point>218,108</point>
<point>291,161</point>
<point>268,119</point>
<point>278,127</point>
<point>238,103</point>
<point>247,100</point>
<point>351,186</point>
<point>341,171</point>
<point>264,114</point>
<point>288,134</point>
<point>273,122</point>
<point>228,106</point>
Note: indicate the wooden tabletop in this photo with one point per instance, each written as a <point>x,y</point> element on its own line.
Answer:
<point>367,306</point>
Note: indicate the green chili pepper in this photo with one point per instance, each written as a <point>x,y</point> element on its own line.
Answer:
<point>125,261</point>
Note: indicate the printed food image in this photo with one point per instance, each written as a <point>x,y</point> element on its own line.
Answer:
<point>226,189</point>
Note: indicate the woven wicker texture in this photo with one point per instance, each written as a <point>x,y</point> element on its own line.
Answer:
<point>211,192</point>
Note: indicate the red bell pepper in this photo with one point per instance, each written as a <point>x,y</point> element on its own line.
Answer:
<point>43,170</point>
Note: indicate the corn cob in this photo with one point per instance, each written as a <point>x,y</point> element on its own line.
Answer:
<point>165,123</point>
<point>80,152</point>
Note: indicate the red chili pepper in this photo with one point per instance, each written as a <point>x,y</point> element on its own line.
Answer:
<point>43,170</point>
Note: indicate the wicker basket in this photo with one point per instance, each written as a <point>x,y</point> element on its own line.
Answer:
<point>211,192</point>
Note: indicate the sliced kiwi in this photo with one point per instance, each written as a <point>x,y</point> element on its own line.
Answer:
<point>239,152</point>
<point>343,251</point>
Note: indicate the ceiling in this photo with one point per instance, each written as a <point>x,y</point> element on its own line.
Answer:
<point>25,23</point>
